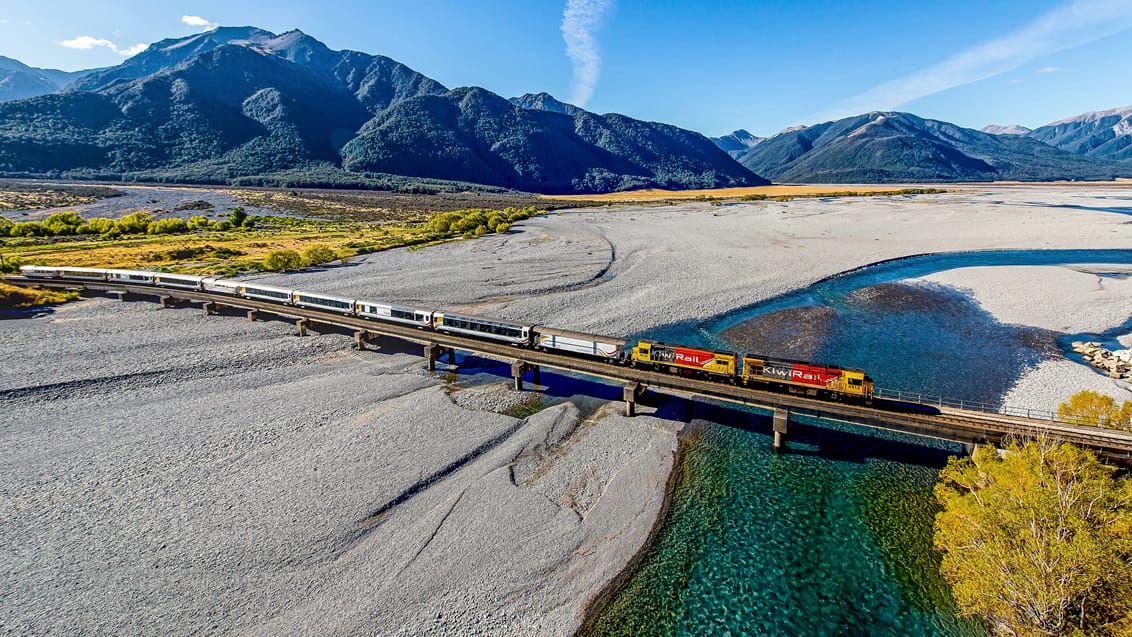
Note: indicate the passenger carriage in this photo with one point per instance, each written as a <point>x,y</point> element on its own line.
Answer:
<point>266,293</point>
<point>324,302</point>
<point>494,329</point>
<point>415,316</point>
<point>180,281</point>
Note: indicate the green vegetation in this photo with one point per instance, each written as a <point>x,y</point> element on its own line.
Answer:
<point>476,222</point>
<point>281,260</point>
<point>1038,541</point>
<point>527,408</point>
<point>1091,408</point>
<point>15,298</point>
<point>317,255</point>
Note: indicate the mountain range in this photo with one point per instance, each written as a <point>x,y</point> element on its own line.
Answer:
<point>901,147</point>
<point>1103,134</point>
<point>240,104</point>
<point>738,142</point>
<point>19,81</point>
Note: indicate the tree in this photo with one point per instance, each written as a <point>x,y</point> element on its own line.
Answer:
<point>238,216</point>
<point>173,225</point>
<point>62,223</point>
<point>318,254</point>
<point>1091,408</point>
<point>136,223</point>
<point>1038,541</point>
<point>279,260</point>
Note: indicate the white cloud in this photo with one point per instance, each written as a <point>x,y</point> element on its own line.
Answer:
<point>1015,81</point>
<point>580,20</point>
<point>87,42</point>
<point>1048,69</point>
<point>197,21</point>
<point>1071,25</point>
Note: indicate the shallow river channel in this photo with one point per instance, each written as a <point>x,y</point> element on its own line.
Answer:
<point>833,537</point>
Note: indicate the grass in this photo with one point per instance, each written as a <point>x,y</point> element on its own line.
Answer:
<point>526,409</point>
<point>212,251</point>
<point>15,298</point>
<point>780,193</point>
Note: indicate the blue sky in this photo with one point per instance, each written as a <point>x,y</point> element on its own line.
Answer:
<point>712,66</point>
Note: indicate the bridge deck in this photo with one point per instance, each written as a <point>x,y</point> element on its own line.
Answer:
<point>958,425</point>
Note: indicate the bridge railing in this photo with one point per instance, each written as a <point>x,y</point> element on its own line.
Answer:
<point>940,401</point>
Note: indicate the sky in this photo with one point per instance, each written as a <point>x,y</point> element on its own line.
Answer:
<point>710,66</point>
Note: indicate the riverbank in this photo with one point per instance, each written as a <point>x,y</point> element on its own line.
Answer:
<point>272,483</point>
<point>1069,299</point>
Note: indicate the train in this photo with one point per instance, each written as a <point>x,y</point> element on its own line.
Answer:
<point>828,382</point>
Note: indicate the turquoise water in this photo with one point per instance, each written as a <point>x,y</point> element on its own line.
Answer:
<point>834,536</point>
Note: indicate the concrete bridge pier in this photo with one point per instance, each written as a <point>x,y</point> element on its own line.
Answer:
<point>781,427</point>
<point>167,301</point>
<point>434,352</point>
<point>253,315</point>
<point>631,393</point>
<point>302,325</point>
<point>518,368</point>
<point>360,339</point>
<point>210,308</point>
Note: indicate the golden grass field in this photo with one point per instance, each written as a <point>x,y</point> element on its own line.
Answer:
<point>213,252</point>
<point>732,193</point>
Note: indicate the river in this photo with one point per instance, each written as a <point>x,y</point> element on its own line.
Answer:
<point>833,537</point>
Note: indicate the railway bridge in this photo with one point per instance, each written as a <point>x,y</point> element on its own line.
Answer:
<point>954,422</point>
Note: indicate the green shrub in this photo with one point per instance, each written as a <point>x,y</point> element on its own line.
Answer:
<point>136,223</point>
<point>480,231</point>
<point>168,226</point>
<point>62,223</point>
<point>318,254</point>
<point>27,229</point>
<point>199,221</point>
<point>6,226</point>
<point>280,260</point>
<point>503,227</point>
<point>98,225</point>
<point>10,264</point>
<point>238,215</point>
<point>222,226</point>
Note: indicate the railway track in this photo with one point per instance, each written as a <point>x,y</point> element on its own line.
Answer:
<point>965,426</point>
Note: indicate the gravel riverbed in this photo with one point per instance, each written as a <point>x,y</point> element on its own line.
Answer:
<point>171,473</point>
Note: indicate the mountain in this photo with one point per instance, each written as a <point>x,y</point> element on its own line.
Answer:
<point>1012,129</point>
<point>474,135</point>
<point>545,102</point>
<point>243,104</point>
<point>1100,134</point>
<point>738,142</point>
<point>19,81</point>
<point>901,147</point>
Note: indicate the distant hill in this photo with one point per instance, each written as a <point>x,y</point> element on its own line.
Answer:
<point>19,81</point>
<point>545,102</point>
<point>901,147</point>
<point>1100,134</point>
<point>737,143</point>
<point>240,104</point>
<point>1012,129</point>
